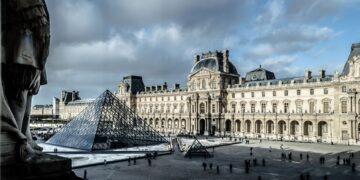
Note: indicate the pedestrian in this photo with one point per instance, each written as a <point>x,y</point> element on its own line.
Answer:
<point>255,162</point>
<point>210,166</point>
<point>260,140</point>
<point>269,148</point>
<point>307,157</point>
<point>302,176</point>
<point>247,168</point>
<point>263,162</point>
<point>259,177</point>
<point>344,161</point>
<point>204,166</point>
<point>155,154</point>
<point>230,168</point>
<point>217,169</point>
<point>251,153</point>
<point>85,174</point>
<point>325,177</point>
<point>353,167</point>
<point>251,149</point>
<point>149,161</point>
<point>105,162</point>
<point>307,176</point>
<point>129,161</point>
<point>300,156</point>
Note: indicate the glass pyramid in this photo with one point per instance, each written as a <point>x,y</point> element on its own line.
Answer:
<point>197,149</point>
<point>107,123</point>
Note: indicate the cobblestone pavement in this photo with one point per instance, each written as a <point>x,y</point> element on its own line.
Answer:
<point>175,166</point>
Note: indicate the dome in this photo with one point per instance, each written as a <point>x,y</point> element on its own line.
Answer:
<point>212,64</point>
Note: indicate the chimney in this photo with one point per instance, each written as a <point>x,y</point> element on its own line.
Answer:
<point>322,73</point>
<point>176,86</point>
<point>164,87</point>
<point>226,60</point>
<point>307,74</point>
<point>196,58</point>
<point>73,96</point>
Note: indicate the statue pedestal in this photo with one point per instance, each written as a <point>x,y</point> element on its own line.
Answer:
<point>43,167</point>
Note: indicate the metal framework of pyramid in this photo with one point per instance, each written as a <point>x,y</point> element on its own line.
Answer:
<point>197,149</point>
<point>107,123</point>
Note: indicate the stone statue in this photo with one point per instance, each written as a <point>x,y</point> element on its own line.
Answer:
<point>25,38</point>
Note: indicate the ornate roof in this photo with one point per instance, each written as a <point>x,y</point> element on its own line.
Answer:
<point>355,51</point>
<point>213,61</point>
<point>259,74</point>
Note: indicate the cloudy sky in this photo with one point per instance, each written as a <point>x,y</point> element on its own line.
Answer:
<point>94,43</point>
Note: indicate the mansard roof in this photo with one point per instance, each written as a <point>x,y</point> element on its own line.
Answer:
<point>259,74</point>
<point>355,51</point>
<point>213,61</point>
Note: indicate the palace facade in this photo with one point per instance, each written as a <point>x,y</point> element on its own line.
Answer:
<point>219,101</point>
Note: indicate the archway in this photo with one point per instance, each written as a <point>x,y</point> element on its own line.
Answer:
<point>163,123</point>
<point>228,125</point>
<point>282,127</point>
<point>213,129</point>
<point>238,125</point>
<point>169,123</point>
<point>176,124</point>
<point>202,126</point>
<point>269,126</point>
<point>307,128</point>
<point>293,127</point>
<point>156,123</point>
<point>183,123</point>
<point>151,122</point>
<point>248,126</point>
<point>322,128</point>
<point>258,125</point>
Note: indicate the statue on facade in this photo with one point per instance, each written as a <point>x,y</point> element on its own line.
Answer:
<point>25,38</point>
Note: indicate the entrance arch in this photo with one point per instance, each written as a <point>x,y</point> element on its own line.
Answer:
<point>202,126</point>
<point>282,127</point>
<point>228,125</point>
<point>307,128</point>
<point>169,123</point>
<point>269,126</point>
<point>183,124</point>
<point>258,125</point>
<point>322,128</point>
<point>176,124</point>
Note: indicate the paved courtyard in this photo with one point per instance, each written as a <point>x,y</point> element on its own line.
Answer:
<point>175,166</point>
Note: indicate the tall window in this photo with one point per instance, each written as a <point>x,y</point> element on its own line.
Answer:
<point>343,88</point>
<point>263,107</point>
<point>286,93</point>
<point>213,108</point>
<point>274,93</point>
<point>286,107</point>
<point>326,91</point>
<point>252,108</point>
<point>233,95</point>
<point>274,107</point>
<point>243,108</point>
<point>311,91</point>
<point>298,107</point>
<point>298,92</point>
<point>326,107</point>
<point>252,94</point>
<point>202,108</point>
<point>181,108</point>
<point>312,107</point>
<point>263,93</point>
<point>233,107</point>
<point>193,108</point>
<point>242,95</point>
<point>203,84</point>
<point>343,106</point>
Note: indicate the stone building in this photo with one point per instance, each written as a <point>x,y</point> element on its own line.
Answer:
<point>218,101</point>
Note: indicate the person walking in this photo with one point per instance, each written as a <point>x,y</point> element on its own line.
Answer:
<point>204,166</point>
<point>230,168</point>
<point>217,169</point>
